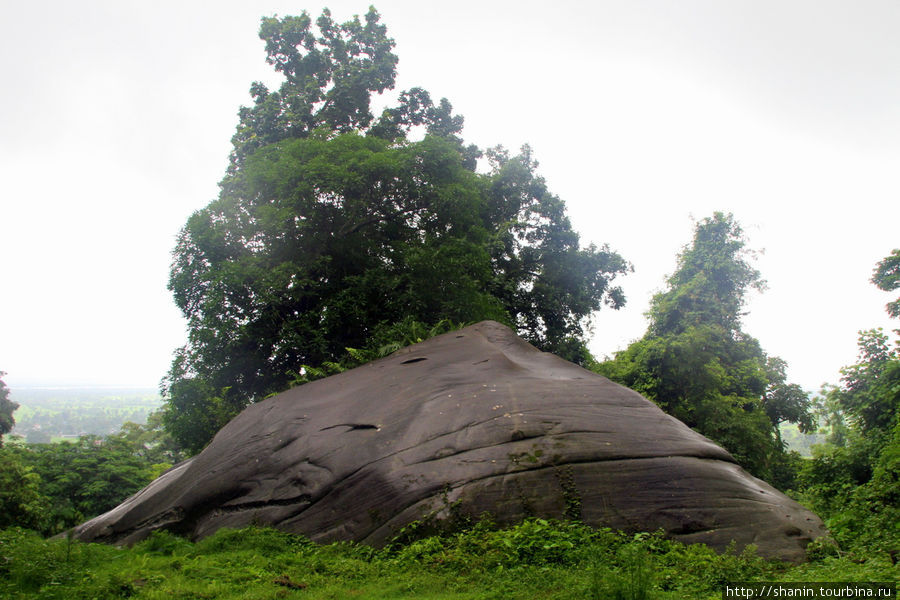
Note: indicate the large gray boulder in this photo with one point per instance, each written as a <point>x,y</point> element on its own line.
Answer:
<point>469,422</point>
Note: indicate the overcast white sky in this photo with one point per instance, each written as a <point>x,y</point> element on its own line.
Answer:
<point>116,117</point>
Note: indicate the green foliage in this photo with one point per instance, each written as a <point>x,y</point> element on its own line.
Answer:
<point>533,542</point>
<point>613,564</point>
<point>150,441</point>
<point>320,259</point>
<point>384,341</point>
<point>50,487</point>
<point>83,479</point>
<point>7,408</point>
<point>332,227</point>
<point>195,411</point>
<point>830,477</point>
<point>31,567</point>
<point>697,364</point>
<point>854,479</point>
<point>328,79</point>
<point>21,502</point>
<point>632,581</point>
<point>260,541</point>
<point>887,277</point>
<point>536,559</point>
<point>786,402</point>
<point>710,285</point>
<point>164,543</point>
<point>822,548</point>
<point>870,395</point>
<point>855,486</point>
<point>710,381</point>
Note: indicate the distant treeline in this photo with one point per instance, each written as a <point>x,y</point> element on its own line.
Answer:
<point>803,443</point>
<point>47,414</point>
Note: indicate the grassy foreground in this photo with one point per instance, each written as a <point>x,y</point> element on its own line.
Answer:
<point>537,559</point>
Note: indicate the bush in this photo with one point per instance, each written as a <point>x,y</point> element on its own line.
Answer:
<point>48,568</point>
<point>263,541</point>
<point>533,542</point>
<point>631,579</point>
<point>21,502</point>
<point>535,559</point>
<point>164,543</point>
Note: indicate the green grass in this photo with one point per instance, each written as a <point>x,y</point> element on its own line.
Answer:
<point>537,559</point>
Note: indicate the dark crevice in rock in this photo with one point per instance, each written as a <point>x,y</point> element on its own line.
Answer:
<point>749,499</point>
<point>549,460</point>
<point>410,361</point>
<point>690,528</point>
<point>351,426</point>
<point>172,517</point>
<point>556,466</point>
<point>243,506</point>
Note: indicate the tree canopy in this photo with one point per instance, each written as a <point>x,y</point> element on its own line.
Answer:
<point>887,277</point>
<point>711,283</point>
<point>332,225</point>
<point>51,487</point>
<point>21,502</point>
<point>698,365</point>
<point>328,79</point>
<point>7,408</point>
<point>854,478</point>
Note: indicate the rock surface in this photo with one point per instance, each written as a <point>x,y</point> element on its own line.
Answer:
<point>472,421</point>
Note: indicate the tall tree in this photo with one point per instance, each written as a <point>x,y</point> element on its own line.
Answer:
<point>328,79</point>
<point>332,225</point>
<point>697,364</point>
<point>870,394</point>
<point>854,479</point>
<point>7,408</point>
